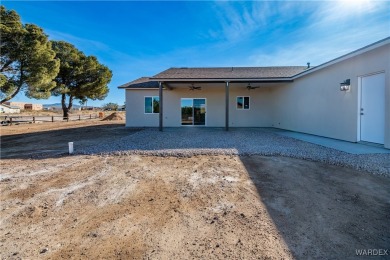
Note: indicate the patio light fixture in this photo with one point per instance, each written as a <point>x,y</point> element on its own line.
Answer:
<point>346,85</point>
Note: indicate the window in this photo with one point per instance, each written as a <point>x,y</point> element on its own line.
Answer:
<point>242,102</point>
<point>152,105</point>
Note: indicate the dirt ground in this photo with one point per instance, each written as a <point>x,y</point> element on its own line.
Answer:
<point>207,207</point>
<point>20,141</point>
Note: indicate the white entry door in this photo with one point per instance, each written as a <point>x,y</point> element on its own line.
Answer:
<point>372,110</point>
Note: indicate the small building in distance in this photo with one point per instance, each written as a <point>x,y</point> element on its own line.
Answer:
<point>88,108</point>
<point>25,106</point>
<point>9,109</point>
<point>15,104</point>
<point>33,107</point>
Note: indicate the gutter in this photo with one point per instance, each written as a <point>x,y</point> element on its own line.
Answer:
<point>223,80</point>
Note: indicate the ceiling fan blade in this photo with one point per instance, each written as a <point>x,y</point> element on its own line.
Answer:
<point>192,87</point>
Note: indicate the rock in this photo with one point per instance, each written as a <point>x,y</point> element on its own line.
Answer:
<point>43,250</point>
<point>245,143</point>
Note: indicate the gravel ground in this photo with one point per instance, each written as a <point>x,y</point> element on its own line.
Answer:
<point>186,142</point>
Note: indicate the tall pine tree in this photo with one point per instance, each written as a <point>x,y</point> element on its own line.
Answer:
<point>80,77</point>
<point>27,62</point>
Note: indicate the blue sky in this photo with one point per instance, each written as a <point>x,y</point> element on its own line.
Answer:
<point>136,39</point>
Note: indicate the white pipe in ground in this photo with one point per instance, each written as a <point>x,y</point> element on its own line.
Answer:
<point>70,147</point>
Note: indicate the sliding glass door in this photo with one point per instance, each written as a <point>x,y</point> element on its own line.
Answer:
<point>199,111</point>
<point>187,111</point>
<point>193,111</point>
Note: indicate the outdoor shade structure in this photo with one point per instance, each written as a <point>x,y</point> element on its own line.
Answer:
<point>190,79</point>
<point>161,116</point>
<point>347,98</point>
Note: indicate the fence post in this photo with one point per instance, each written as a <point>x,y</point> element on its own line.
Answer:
<point>10,120</point>
<point>90,116</point>
<point>34,119</point>
<point>52,118</point>
<point>79,117</point>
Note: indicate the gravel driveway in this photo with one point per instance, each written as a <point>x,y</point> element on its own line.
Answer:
<point>239,141</point>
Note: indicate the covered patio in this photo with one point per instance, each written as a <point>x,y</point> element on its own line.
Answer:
<point>225,87</point>
<point>245,78</point>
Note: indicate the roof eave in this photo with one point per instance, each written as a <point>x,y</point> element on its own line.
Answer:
<point>222,80</point>
<point>130,88</point>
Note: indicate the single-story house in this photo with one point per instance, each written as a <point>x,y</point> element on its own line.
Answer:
<point>9,109</point>
<point>33,107</point>
<point>15,104</point>
<point>24,106</point>
<point>347,98</point>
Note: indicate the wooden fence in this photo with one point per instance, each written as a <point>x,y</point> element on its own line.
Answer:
<point>9,119</point>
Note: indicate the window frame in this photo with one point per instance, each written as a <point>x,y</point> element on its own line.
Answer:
<point>243,103</point>
<point>192,99</point>
<point>153,98</point>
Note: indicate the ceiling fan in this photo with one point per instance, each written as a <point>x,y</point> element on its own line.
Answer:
<point>192,87</point>
<point>249,87</point>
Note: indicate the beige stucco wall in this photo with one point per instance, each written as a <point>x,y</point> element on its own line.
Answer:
<point>135,108</point>
<point>16,104</point>
<point>314,104</point>
<point>259,114</point>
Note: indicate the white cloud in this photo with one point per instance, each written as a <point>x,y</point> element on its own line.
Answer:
<point>339,11</point>
<point>239,20</point>
<point>315,52</point>
<point>77,41</point>
<point>336,30</point>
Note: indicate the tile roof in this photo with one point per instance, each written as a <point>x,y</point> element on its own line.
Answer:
<point>230,73</point>
<point>143,82</point>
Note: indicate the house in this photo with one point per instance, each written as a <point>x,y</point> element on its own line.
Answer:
<point>15,104</point>
<point>25,106</point>
<point>347,98</point>
<point>33,107</point>
<point>9,109</point>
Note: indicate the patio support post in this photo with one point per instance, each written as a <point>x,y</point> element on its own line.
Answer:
<point>160,113</point>
<point>227,106</point>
